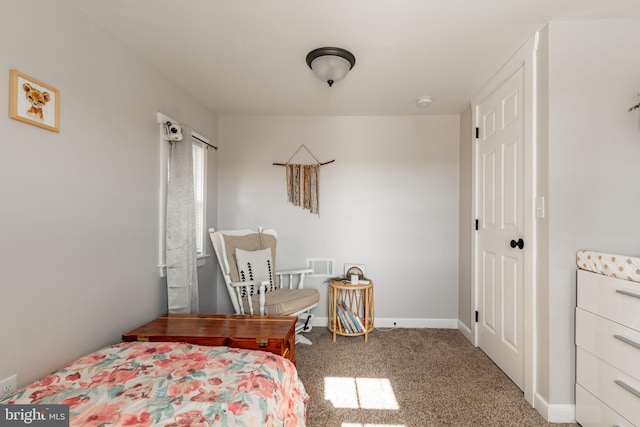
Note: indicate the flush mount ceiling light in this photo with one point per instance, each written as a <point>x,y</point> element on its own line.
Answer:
<point>330,64</point>
<point>424,101</point>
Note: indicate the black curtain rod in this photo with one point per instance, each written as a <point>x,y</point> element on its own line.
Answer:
<point>204,142</point>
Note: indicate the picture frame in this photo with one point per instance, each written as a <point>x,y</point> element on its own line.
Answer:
<point>357,269</point>
<point>34,102</point>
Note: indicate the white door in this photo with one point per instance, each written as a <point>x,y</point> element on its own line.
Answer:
<point>500,262</point>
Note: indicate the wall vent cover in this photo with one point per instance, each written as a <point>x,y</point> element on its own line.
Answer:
<point>321,266</point>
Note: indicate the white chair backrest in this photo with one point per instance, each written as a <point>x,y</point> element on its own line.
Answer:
<point>217,238</point>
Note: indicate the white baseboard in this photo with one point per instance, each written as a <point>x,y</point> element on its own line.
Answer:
<point>318,321</point>
<point>554,413</point>
<point>466,331</point>
<point>416,323</point>
<point>400,323</point>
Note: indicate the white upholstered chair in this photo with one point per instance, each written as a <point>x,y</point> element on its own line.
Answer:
<point>247,261</point>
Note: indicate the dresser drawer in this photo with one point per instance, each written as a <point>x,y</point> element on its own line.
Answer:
<point>615,299</point>
<point>616,389</point>
<point>615,344</point>
<point>591,412</point>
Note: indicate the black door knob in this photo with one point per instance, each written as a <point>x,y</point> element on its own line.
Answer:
<point>519,243</point>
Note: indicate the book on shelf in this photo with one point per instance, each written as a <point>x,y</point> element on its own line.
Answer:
<point>356,321</point>
<point>359,323</point>
<point>353,320</point>
<point>343,320</point>
<point>347,315</point>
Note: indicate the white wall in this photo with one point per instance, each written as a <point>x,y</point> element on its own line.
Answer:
<point>79,210</point>
<point>466,223</point>
<point>542,224</point>
<point>390,201</point>
<point>594,150</point>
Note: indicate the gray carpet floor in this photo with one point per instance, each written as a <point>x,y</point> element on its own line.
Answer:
<point>407,378</point>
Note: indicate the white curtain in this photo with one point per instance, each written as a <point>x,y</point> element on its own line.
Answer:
<point>181,256</point>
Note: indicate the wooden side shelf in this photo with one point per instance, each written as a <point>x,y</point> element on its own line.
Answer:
<point>359,301</point>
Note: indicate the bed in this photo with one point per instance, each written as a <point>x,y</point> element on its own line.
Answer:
<point>174,384</point>
<point>607,338</point>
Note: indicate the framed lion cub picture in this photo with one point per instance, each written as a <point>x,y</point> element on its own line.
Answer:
<point>33,102</point>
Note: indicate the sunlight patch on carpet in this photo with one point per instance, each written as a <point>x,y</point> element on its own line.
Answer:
<point>360,393</point>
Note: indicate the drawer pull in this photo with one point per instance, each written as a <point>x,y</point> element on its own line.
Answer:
<point>628,293</point>
<point>627,340</point>
<point>627,387</point>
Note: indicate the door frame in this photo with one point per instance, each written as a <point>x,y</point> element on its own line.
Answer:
<point>525,58</point>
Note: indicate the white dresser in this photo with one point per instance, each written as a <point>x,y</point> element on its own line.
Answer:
<point>607,351</point>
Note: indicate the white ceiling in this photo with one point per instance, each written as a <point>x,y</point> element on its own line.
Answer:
<point>248,56</point>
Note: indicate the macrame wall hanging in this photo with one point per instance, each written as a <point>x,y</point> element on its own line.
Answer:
<point>303,188</point>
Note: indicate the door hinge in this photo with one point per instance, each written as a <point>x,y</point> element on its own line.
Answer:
<point>477,316</point>
<point>477,133</point>
<point>477,225</point>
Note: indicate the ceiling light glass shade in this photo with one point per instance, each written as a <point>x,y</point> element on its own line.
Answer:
<point>330,68</point>
<point>330,64</point>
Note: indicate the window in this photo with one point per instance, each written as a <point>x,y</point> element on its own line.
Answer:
<point>199,153</point>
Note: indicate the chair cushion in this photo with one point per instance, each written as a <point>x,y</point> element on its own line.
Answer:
<point>283,302</point>
<point>249,242</point>
<point>255,265</point>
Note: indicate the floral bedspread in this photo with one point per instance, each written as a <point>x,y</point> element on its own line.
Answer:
<point>174,384</point>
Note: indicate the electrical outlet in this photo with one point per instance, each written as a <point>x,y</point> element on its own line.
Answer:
<point>8,385</point>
